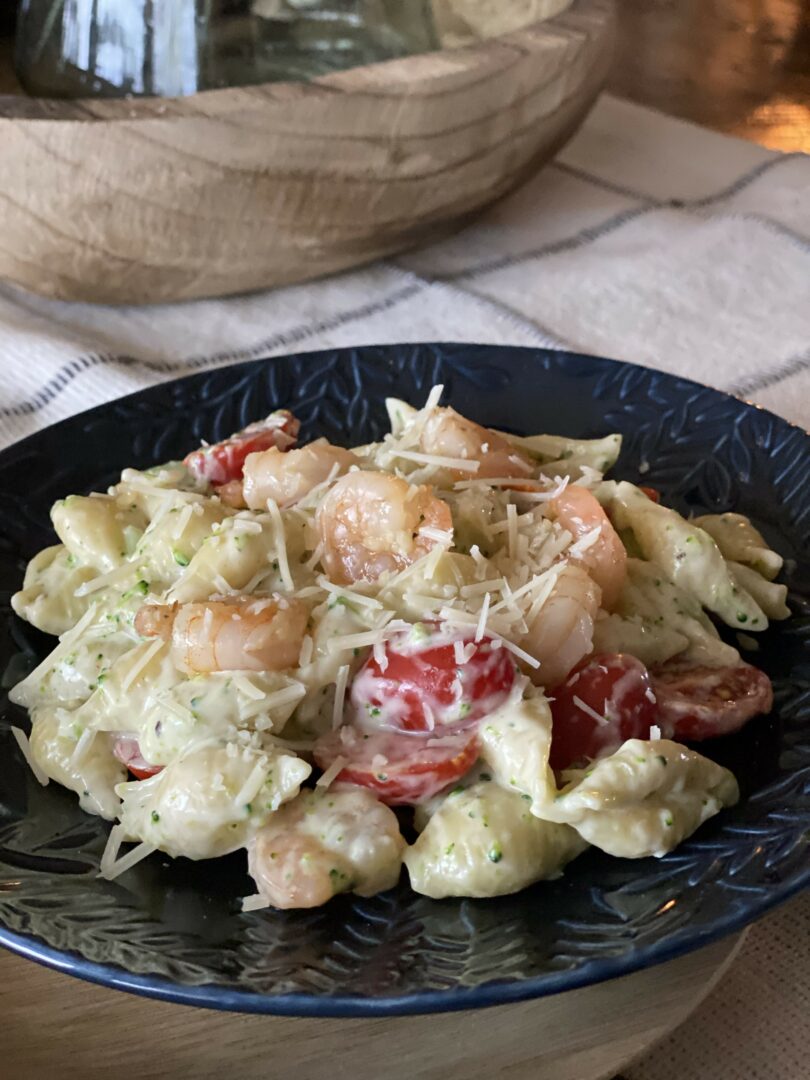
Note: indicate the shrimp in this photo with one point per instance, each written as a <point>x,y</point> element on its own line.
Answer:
<point>449,434</point>
<point>288,477</point>
<point>562,633</point>
<point>579,512</point>
<point>261,634</point>
<point>371,522</point>
<point>326,842</point>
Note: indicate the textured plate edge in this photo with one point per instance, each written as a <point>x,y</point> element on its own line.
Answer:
<point>350,1006</point>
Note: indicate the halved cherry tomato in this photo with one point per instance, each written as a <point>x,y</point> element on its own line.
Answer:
<point>422,687</point>
<point>700,702</point>
<point>614,686</point>
<point>652,493</point>
<point>128,752</point>
<point>224,461</point>
<point>403,770</point>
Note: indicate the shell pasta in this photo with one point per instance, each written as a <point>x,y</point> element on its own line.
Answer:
<point>271,644</point>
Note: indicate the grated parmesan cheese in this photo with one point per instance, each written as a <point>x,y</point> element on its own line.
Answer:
<point>585,542</point>
<point>256,902</point>
<point>103,580</point>
<point>25,747</point>
<point>331,773</point>
<point>183,520</point>
<point>480,587</point>
<point>315,557</point>
<point>253,785</point>
<point>340,696</point>
<point>305,655</point>
<point>126,862</point>
<point>459,464</point>
<point>655,732</point>
<point>527,658</point>
<point>110,853</point>
<point>350,594</point>
<point>281,545</point>
<point>222,587</point>
<point>439,536</point>
<point>249,689</point>
<point>583,706</point>
<point>140,663</point>
<point>482,618</point>
<point>18,695</point>
<point>82,746</point>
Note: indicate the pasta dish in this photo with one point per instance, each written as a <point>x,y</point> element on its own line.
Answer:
<point>457,650</point>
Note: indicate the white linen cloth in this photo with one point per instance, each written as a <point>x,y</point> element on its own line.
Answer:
<point>648,239</point>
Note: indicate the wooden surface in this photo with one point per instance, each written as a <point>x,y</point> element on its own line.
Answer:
<point>57,1027</point>
<point>234,190</point>
<point>738,66</point>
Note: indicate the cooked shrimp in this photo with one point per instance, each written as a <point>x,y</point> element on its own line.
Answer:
<point>562,633</point>
<point>262,634</point>
<point>288,477</point>
<point>578,511</point>
<point>448,434</point>
<point>323,843</point>
<point>372,522</point>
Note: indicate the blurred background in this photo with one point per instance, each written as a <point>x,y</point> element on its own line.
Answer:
<point>737,66</point>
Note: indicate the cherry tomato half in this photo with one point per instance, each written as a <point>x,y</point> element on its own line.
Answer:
<point>604,701</point>
<point>402,770</point>
<point>700,702</point>
<point>224,461</point>
<point>423,687</point>
<point>128,752</point>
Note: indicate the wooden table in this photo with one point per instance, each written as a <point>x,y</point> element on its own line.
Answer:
<point>740,67</point>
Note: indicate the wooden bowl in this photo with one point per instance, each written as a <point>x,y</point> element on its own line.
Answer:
<point>146,200</point>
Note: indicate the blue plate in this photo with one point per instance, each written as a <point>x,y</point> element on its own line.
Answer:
<point>173,930</point>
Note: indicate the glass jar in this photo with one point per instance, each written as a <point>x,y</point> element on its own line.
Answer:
<point>85,48</point>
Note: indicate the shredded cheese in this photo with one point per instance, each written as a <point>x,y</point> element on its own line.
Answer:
<point>459,464</point>
<point>126,862</point>
<point>183,519</point>
<point>249,689</point>
<point>25,747</point>
<point>253,785</point>
<point>527,658</point>
<point>583,706</point>
<point>512,523</point>
<point>315,557</point>
<point>110,853</point>
<point>120,573</point>
<point>439,536</point>
<point>350,594</point>
<point>482,618</point>
<point>340,696</point>
<point>585,543</point>
<point>19,694</point>
<point>380,656</point>
<point>82,746</point>
<point>332,772</point>
<point>307,647</point>
<point>256,902</point>
<point>281,545</point>
<point>140,662</point>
